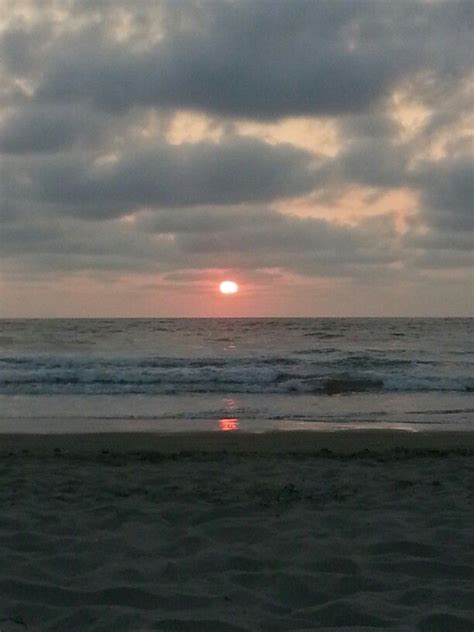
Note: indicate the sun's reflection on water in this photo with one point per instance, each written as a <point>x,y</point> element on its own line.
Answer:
<point>229,424</point>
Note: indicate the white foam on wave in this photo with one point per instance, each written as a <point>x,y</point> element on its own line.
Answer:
<point>46,374</point>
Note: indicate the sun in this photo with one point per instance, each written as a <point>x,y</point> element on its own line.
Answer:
<point>228,287</point>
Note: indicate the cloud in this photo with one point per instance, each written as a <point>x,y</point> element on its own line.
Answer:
<point>247,60</point>
<point>234,171</point>
<point>303,245</point>
<point>39,129</point>
<point>22,46</point>
<point>167,138</point>
<point>202,238</point>
<point>447,193</point>
<point>374,163</point>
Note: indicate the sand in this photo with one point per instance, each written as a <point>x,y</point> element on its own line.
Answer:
<point>272,442</point>
<point>117,532</point>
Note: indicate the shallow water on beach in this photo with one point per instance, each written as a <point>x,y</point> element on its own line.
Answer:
<point>227,374</point>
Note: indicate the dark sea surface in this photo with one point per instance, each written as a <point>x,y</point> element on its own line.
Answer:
<point>174,374</point>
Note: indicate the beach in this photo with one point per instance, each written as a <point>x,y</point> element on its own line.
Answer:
<point>236,316</point>
<point>236,474</point>
<point>237,531</point>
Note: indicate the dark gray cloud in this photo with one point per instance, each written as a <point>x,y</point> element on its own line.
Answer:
<point>306,246</point>
<point>39,129</point>
<point>23,46</point>
<point>432,240</point>
<point>233,171</point>
<point>374,163</point>
<point>218,219</point>
<point>445,259</point>
<point>241,238</point>
<point>266,60</point>
<point>441,236</point>
<point>447,188</point>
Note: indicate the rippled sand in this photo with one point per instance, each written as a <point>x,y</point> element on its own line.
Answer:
<point>237,541</point>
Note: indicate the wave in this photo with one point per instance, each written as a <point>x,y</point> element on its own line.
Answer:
<point>351,384</point>
<point>331,374</point>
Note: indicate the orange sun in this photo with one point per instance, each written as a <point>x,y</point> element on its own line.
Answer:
<point>228,287</point>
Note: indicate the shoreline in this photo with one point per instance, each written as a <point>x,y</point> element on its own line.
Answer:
<point>338,442</point>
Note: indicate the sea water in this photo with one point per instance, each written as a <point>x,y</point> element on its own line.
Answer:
<point>76,375</point>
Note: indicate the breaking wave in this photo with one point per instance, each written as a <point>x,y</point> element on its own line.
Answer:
<point>319,374</point>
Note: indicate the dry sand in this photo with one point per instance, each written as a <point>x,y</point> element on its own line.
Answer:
<point>271,535</point>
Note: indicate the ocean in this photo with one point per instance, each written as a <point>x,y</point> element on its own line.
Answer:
<point>86,375</point>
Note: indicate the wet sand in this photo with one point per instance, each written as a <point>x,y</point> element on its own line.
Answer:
<point>273,442</point>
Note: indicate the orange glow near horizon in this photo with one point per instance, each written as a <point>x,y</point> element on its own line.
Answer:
<point>228,287</point>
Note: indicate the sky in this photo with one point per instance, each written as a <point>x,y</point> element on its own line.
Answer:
<point>319,153</point>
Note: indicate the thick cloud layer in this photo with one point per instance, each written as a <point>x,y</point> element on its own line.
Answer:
<point>268,60</point>
<point>164,138</point>
<point>164,175</point>
<point>47,129</point>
